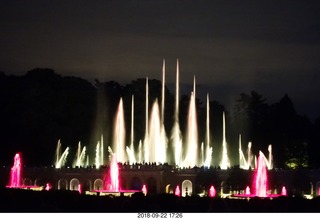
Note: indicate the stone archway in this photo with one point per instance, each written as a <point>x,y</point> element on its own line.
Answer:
<point>98,184</point>
<point>169,189</point>
<point>186,188</point>
<point>62,184</point>
<point>74,184</point>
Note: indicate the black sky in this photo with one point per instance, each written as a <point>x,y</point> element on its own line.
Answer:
<point>230,46</point>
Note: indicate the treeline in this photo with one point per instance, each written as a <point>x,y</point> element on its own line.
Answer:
<point>41,107</point>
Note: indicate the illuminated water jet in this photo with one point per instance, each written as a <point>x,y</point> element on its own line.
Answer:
<point>119,134</point>
<point>80,156</point>
<point>225,163</point>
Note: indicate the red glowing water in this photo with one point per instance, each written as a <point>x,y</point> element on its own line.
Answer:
<point>15,174</point>
<point>212,192</point>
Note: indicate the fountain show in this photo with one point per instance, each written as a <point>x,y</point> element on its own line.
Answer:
<point>186,173</point>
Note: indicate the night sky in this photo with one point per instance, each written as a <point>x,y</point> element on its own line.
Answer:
<point>272,47</point>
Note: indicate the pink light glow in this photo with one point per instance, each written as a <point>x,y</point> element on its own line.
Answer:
<point>284,191</point>
<point>144,189</point>
<point>248,190</point>
<point>48,187</point>
<point>212,192</point>
<point>15,174</point>
<point>80,188</point>
<point>177,191</point>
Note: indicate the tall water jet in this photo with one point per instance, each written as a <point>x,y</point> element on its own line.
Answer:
<point>119,134</point>
<point>208,152</point>
<point>98,154</point>
<point>176,132</point>
<point>130,151</point>
<point>163,91</point>
<point>146,137</point>
<point>101,150</point>
<point>250,156</point>
<point>191,157</point>
<point>157,149</point>
<point>270,159</point>
<point>15,173</point>
<point>225,163</point>
<point>164,140</point>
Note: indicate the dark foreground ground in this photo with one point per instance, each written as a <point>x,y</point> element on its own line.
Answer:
<point>28,201</point>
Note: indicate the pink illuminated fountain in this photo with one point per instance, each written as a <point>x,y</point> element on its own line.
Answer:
<point>261,179</point>
<point>260,183</point>
<point>114,175</point>
<point>112,182</point>
<point>177,191</point>
<point>248,190</point>
<point>144,189</point>
<point>284,191</point>
<point>15,173</point>
<point>212,192</point>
